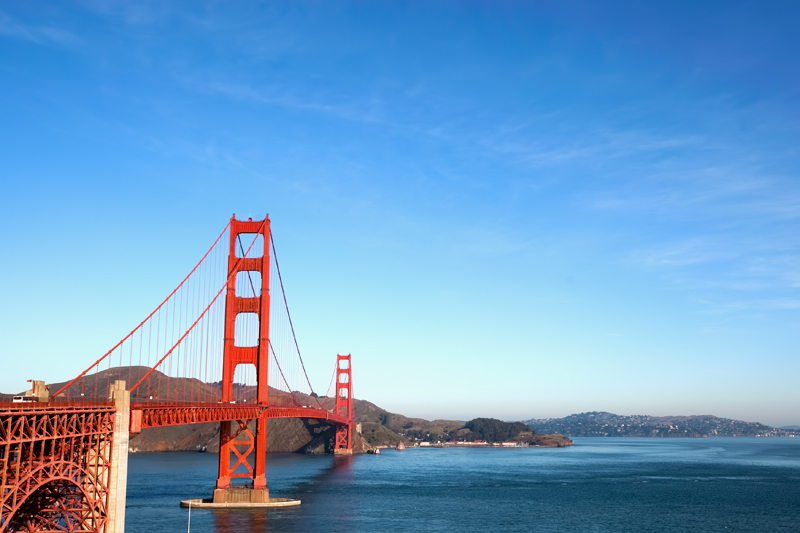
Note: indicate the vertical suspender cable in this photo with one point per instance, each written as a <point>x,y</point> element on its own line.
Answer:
<point>288,315</point>
<point>96,363</point>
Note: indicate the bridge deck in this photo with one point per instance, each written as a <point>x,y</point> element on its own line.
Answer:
<point>148,415</point>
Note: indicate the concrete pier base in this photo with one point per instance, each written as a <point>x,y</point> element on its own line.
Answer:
<point>270,503</point>
<point>241,495</point>
<point>118,483</point>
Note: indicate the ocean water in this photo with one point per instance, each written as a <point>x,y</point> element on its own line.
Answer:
<point>600,484</point>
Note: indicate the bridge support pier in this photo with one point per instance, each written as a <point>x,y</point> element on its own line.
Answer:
<point>118,482</point>
<point>241,495</point>
<point>231,446</point>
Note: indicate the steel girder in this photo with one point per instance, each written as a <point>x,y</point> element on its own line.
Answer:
<point>156,415</point>
<point>55,463</point>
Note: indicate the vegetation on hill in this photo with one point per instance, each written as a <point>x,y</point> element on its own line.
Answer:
<point>379,435</point>
<point>493,430</point>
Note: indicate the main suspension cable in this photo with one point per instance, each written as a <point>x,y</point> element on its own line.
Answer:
<point>233,272</point>
<point>146,319</point>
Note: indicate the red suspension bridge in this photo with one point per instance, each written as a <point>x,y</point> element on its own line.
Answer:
<point>220,348</point>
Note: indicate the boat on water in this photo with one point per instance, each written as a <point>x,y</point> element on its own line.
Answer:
<point>400,447</point>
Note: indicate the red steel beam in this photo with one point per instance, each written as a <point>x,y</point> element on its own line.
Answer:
<point>55,466</point>
<point>174,414</point>
<point>307,412</point>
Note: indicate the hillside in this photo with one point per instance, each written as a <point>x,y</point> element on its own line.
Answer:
<point>283,435</point>
<point>158,386</point>
<point>603,424</point>
<point>379,427</point>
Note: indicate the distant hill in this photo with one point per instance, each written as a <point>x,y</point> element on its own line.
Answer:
<point>489,430</point>
<point>603,424</point>
<point>790,427</point>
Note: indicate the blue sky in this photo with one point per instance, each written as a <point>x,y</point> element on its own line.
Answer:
<point>501,209</point>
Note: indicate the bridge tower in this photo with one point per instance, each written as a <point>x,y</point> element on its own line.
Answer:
<point>344,404</point>
<point>237,442</point>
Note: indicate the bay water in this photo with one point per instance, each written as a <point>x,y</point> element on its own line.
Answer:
<point>598,485</point>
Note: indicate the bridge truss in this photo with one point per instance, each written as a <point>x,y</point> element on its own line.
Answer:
<point>56,466</point>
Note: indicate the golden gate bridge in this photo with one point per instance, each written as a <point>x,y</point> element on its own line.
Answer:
<point>219,348</point>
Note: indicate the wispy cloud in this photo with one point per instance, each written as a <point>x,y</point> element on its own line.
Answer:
<point>715,192</point>
<point>531,146</point>
<point>690,252</point>
<point>134,13</point>
<point>729,278</point>
<point>735,306</point>
<point>35,34</point>
<point>350,107</point>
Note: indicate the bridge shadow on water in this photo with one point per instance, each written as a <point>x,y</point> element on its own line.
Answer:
<point>319,508</point>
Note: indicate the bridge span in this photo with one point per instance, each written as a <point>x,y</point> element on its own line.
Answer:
<point>219,348</point>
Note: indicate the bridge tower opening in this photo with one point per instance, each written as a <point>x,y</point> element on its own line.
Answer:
<point>243,454</point>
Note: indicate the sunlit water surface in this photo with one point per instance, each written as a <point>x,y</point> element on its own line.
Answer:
<point>600,484</point>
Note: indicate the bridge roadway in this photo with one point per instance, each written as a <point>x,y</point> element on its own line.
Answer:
<point>150,415</point>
